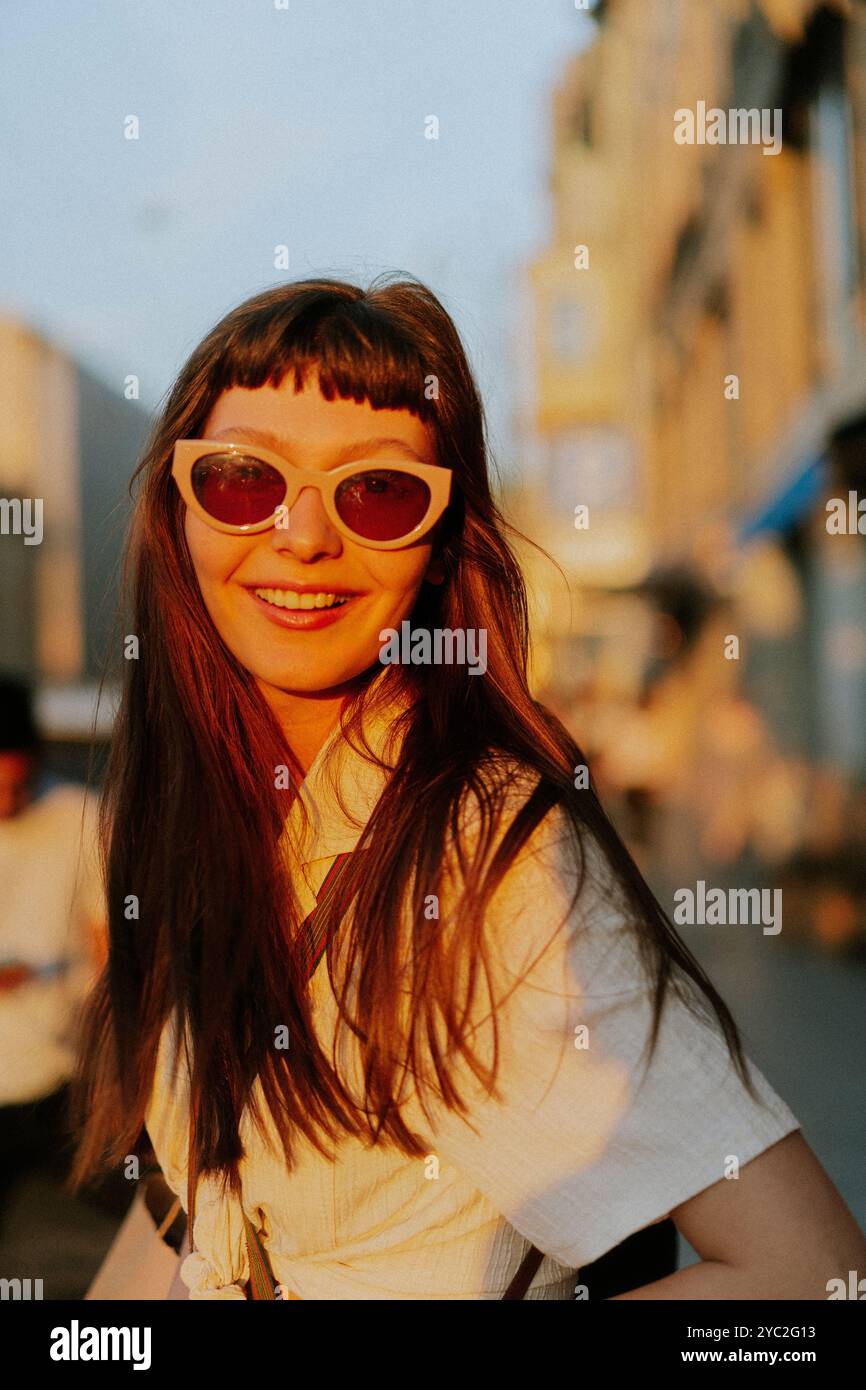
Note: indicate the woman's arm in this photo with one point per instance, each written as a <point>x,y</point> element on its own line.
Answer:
<point>779,1231</point>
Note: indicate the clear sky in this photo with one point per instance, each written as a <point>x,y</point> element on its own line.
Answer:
<point>262,126</point>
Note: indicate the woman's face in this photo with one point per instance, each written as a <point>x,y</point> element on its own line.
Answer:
<point>309,651</point>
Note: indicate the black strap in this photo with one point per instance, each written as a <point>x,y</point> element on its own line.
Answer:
<point>525,1274</point>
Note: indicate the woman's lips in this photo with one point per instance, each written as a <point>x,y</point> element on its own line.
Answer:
<point>303,618</point>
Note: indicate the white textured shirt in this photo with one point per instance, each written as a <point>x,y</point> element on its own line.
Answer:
<point>50,896</point>
<point>573,1156</point>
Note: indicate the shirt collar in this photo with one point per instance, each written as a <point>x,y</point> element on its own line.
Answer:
<point>342,786</point>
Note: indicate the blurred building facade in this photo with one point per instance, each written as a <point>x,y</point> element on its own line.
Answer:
<point>70,443</point>
<point>700,386</point>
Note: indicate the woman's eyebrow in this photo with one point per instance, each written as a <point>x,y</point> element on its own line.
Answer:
<point>359,449</point>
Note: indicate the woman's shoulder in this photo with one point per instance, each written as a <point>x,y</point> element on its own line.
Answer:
<point>555,888</point>
<point>498,786</point>
<point>504,795</point>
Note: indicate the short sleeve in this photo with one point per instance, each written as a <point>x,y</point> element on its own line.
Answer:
<point>90,889</point>
<point>74,823</point>
<point>219,1266</point>
<point>582,1149</point>
<point>89,912</point>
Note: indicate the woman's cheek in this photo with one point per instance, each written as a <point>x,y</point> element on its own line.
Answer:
<point>215,556</point>
<point>398,576</point>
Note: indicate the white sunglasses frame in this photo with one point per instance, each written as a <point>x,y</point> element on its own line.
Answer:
<point>186,452</point>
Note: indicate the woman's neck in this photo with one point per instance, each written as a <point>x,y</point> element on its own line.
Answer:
<point>307,720</point>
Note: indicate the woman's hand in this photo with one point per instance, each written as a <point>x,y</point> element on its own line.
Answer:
<point>779,1231</point>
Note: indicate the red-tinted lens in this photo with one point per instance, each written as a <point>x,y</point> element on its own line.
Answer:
<point>237,488</point>
<point>382,505</point>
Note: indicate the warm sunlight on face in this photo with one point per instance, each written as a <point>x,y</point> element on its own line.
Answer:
<point>316,650</point>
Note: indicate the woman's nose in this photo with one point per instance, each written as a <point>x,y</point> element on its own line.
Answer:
<point>305,530</point>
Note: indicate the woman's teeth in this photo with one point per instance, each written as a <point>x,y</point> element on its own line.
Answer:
<point>287,598</point>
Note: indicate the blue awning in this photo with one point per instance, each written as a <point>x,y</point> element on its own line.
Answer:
<point>792,501</point>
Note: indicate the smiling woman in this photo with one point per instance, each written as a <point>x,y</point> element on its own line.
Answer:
<point>399,1015</point>
<point>253,582</point>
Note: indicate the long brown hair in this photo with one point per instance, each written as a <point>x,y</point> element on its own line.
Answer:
<point>191,818</point>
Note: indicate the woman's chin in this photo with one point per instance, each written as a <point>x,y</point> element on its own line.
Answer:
<point>304,681</point>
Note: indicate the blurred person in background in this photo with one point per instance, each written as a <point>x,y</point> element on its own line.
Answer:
<point>52,936</point>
